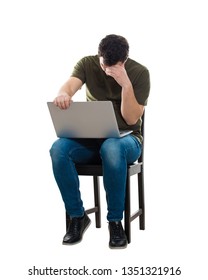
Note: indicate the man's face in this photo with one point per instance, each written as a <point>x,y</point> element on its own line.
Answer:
<point>104,66</point>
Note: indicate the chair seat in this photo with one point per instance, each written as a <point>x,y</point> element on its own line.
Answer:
<point>96,169</point>
<point>89,169</point>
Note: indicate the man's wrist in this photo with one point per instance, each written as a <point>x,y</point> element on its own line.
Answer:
<point>127,87</point>
<point>64,93</point>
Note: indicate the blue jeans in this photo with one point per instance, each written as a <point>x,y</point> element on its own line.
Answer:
<point>113,153</point>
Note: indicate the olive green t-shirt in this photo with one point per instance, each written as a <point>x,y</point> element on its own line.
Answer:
<point>100,87</point>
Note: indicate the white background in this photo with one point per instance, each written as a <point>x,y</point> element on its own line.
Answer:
<point>40,43</point>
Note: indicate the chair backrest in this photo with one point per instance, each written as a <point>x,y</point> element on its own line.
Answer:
<point>141,158</point>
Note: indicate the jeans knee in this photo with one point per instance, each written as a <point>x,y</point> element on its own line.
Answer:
<point>57,150</point>
<point>111,151</point>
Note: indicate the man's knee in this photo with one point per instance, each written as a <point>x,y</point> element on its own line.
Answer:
<point>111,149</point>
<point>59,147</point>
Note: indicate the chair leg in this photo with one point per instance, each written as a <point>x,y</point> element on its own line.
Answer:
<point>127,212</point>
<point>141,199</point>
<point>96,184</point>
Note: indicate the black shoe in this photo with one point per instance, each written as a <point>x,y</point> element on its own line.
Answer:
<point>76,229</point>
<point>118,238</point>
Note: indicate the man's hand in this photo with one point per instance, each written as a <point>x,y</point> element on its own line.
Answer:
<point>118,72</point>
<point>64,98</point>
<point>63,101</point>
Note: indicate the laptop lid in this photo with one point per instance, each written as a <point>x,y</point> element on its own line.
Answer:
<point>95,119</point>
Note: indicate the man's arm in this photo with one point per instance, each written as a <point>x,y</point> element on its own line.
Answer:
<point>131,110</point>
<point>64,98</point>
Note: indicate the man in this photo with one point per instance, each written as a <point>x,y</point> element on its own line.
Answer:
<point>110,75</point>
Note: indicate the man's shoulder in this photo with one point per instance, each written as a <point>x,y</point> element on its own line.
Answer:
<point>90,59</point>
<point>133,64</point>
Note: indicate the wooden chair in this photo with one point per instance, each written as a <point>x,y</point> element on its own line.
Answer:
<point>136,168</point>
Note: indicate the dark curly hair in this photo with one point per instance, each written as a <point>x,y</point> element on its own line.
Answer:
<point>113,48</point>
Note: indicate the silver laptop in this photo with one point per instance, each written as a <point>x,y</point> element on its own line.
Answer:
<point>92,119</point>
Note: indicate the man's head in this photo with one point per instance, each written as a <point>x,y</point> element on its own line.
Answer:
<point>113,49</point>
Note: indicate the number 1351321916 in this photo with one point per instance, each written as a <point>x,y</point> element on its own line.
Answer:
<point>136,270</point>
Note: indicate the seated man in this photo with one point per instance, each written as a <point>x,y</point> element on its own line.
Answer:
<point>110,75</point>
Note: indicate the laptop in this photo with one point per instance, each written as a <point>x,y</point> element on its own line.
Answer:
<point>89,119</point>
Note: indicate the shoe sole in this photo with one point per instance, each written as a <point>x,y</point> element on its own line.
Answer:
<point>118,247</point>
<point>74,243</point>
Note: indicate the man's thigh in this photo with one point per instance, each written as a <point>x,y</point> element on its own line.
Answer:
<point>127,146</point>
<point>81,151</point>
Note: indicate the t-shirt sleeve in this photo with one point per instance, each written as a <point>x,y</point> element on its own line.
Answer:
<point>142,87</point>
<point>79,70</point>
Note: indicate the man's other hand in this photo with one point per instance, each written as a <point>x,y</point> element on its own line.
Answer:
<point>63,101</point>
